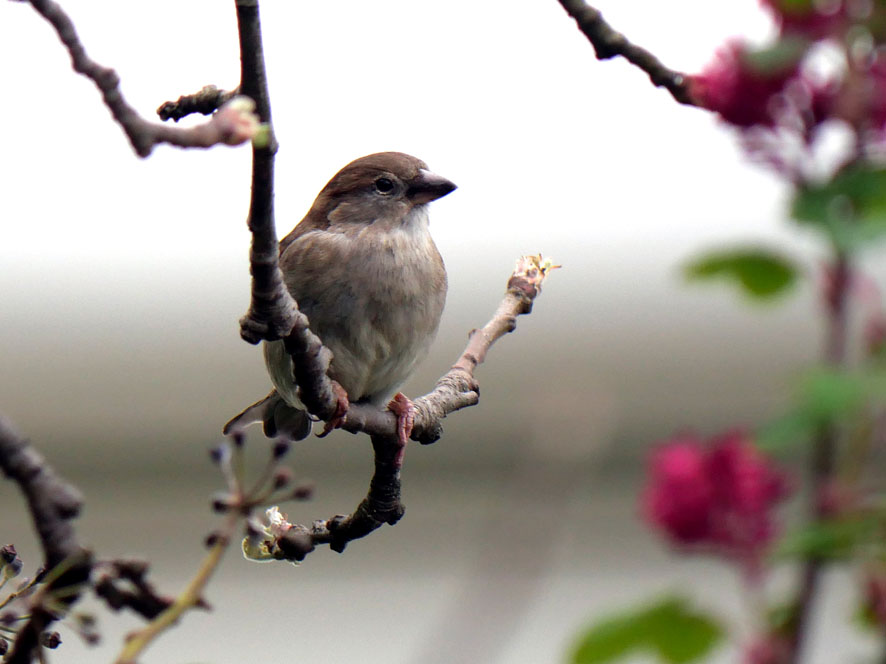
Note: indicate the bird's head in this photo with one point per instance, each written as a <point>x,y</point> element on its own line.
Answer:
<point>382,188</point>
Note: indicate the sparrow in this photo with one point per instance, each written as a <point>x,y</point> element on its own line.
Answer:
<point>363,268</point>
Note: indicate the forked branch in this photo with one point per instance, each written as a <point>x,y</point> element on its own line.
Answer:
<point>455,390</point>
<point>142,134</point>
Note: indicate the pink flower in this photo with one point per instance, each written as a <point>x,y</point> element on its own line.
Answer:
<point>679,496</point>
<point>746,488</point>
<point>718,496</point>
<point>739,88</point>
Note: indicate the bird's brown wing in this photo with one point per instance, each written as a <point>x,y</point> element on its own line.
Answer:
<point>314,220</point>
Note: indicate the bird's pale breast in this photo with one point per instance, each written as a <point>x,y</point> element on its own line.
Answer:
<point>374,298</point>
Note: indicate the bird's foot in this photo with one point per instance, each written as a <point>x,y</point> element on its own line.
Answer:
<point>341,410</point>
<point>404,409</point>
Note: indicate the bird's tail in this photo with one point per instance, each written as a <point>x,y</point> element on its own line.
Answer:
<point>278,418</point>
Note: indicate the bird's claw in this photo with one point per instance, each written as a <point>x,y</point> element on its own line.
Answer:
<point>404,409</point>
<point>341,410</point>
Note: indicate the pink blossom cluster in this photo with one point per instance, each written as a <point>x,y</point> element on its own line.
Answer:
<point>774,88</point>
<point>745,92</point>
<point>716,496</point>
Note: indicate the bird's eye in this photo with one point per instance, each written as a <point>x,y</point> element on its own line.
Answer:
<point>384,185</point>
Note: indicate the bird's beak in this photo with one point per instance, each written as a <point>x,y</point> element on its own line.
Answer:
<point>429,187</point>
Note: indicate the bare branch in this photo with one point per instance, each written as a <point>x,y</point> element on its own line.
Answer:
<point>140,597</point>
<point>53,503</point>
<point>143,135</point>
<point>455,390</point>
<point>608,43</point>
<point>208,100</point>
<point>272,312</point>
<point>382,503</point>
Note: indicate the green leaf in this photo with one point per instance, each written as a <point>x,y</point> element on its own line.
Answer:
<point>824,396</point>
<point>832,540</point>
<point>611,639</point>
<point>761,273</point>
<point>850,208</point>
<point>667,629</point>
<point>780,58</point>
<point>827,394</point>
<point>782,433</point>
<point>680,636</point>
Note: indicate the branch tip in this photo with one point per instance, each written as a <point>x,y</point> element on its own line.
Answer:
<point>608,43</point>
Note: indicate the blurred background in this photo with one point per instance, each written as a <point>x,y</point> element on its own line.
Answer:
<point>122,282</point>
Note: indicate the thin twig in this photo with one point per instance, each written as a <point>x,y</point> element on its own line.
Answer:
<point>142,599</point>
<point>191,597</point>
<point>208,100</point>
<point>272,312</point>
<point>608,43</point>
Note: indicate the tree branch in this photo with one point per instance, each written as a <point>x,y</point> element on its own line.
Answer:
<point>608,43</point>
<point>382,503</point>
<point>455,390</point>
<point>141,599</point>
<point>53,503</point>
<point>272,312</point>
<point>142,135</point>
